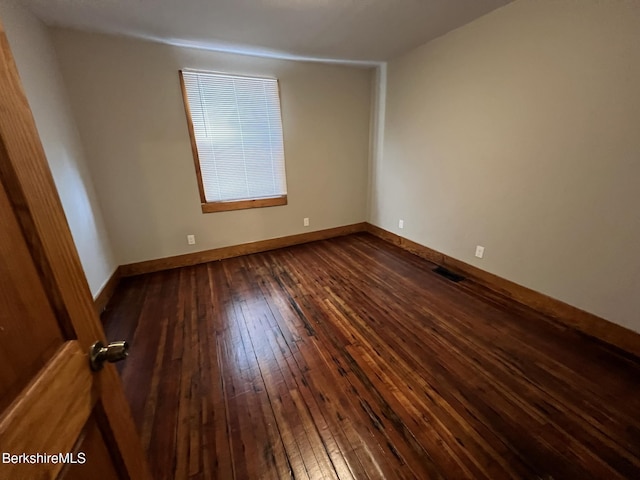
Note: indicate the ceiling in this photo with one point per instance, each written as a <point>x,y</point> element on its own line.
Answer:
<point>350,30</point>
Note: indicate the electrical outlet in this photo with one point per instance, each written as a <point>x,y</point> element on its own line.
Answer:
<point>191,239</point>
<point>479,251</point>
<point>305,221</point>
<point>401,224</point>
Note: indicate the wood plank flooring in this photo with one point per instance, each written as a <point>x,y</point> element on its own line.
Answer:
<point>351,359</point>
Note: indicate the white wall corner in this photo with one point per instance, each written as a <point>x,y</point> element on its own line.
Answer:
<point>378,107</point>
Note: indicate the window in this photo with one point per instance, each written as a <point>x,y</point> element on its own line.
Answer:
<point>236,137</point>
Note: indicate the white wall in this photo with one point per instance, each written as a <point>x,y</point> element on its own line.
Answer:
<point>519,132</point>
<point>126,96</point>
<point>37,65</point>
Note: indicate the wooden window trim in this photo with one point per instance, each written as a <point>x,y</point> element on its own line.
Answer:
<point>212,207</point>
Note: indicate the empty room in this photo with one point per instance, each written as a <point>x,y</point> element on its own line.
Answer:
<point>319,239</point>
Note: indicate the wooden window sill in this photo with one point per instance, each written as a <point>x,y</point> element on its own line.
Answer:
<point>212,207</point>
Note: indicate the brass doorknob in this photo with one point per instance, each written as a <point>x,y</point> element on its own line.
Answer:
<point>114,352</point>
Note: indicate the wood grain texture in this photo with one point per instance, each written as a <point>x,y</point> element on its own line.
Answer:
<point>102,299</point>
<point>29,186</point>
<point>350,358</point>
<point>192,138</point>
<point>212,207</point>
<point>31,424</point>
<point>574,317</point>
<point>98,464</point>
<point>23,298</point>
<point>196,258</point>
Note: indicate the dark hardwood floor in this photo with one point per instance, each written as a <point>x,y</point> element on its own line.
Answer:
<point>350,358</point>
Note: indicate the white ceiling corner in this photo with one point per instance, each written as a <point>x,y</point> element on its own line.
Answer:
<point>366,31</point>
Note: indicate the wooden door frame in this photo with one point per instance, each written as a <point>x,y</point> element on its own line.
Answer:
<point>25,174</point>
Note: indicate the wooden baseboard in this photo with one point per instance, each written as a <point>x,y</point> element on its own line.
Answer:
<point>195,258</point>
<point>585,322</point>
<point>107,291</point>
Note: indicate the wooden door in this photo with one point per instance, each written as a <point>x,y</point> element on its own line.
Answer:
<point>51,403</point>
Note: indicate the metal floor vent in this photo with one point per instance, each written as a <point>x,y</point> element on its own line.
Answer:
<point>454,277</point>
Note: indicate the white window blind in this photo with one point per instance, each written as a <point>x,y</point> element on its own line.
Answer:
<point>237,127</point>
